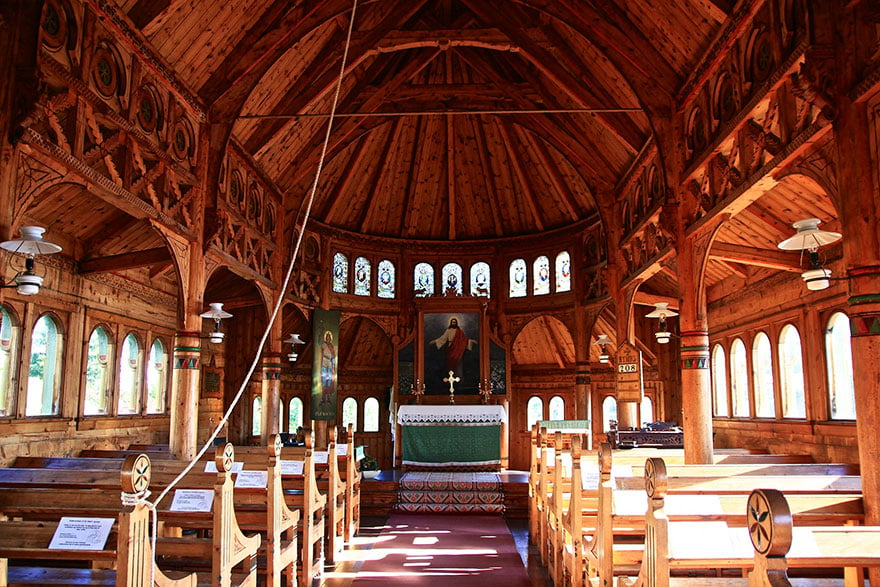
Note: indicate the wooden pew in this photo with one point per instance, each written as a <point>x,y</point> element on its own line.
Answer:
<point>717,537</point>
<point>128,549</point>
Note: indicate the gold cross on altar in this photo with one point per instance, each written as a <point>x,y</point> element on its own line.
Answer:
<point>451,380</point>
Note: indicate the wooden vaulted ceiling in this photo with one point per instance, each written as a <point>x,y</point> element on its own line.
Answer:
<point>547,102</point>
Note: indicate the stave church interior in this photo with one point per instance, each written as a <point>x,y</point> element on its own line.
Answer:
<point>592,279</point>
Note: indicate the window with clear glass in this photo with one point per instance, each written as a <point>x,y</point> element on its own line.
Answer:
<point>563,272</point>
<point>295,414</point>
<point>257,416</point>
<point>646,409</point>
<point>556,407</point>
<point>480,279</point>
<point>371,415</point>
<point>424,280</point>
<point>361,276</point>
<point>385,281</point>
<point>838,355</point>
<point>157,378</point>
<point>739,379</point>
<point>44,370</point>
<point>340,273</point>
<point>791,373</point>
<point>97,373</point>
<point>719,382</point>
<point>350,413</point>
<point>762,373</point>
<point>518,286</point>
<point>534,411</point>
<point>8,358</point>
<point>609,412</point>
<point>452,278</point>
<point>541,276</point>
<point>130,376</point>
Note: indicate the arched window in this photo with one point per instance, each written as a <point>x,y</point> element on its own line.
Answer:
<point>541,276</point>
<point>130,376</point>
<point>423,280</point>
<point>609,412</point>
<point>8,359</point>
<point>452,280</point>
<point>739,379</point>
<point>646,409</point>
<point>518,288</point>
<point>157,378</point>
<point>563,272</point>
<point>556,407</point>
<point>791,373</point>
<point>340,273</point>
<point>257,416</point>
<point>295,414</point>
<point>44,373</point>
<point>350,413</point>
<point>385,282</point>
<point>97,373</point>
<point>480,274</point>
<point>762,371</point>
<point>534,411</point>
<point>838,355</point>
<point>371,415</point>
<point>362,276</point>
<point>719,382</point>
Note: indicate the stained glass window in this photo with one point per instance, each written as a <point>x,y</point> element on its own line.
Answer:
<point>424,280</point>
<point>480,279</point>
<point>340,273</point>
<point>130,376</point>
<point>563,272</point>
<point>541,276</point>
<point>157,378</point>
<point>451,274</point>
<point>791,373</point>
<point>97,373</point>
<point>838,355</point>
<point>8,357</point>
<point>518,279</point>
<point>385,282</point>
<point>361,277</point>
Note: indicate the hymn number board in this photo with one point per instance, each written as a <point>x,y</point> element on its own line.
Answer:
<point>629,373</point>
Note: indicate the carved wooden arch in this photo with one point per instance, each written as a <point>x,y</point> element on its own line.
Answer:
<point>180,247</point>
<point>35,179</point>
<point>823,175</point>
<point>703,241</point>
<point>522,326</point>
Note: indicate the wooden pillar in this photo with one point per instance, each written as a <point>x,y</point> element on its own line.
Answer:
<point>271,393</point>
<point>583,391</point>
<point>185,379</point>
<point>696,384</point>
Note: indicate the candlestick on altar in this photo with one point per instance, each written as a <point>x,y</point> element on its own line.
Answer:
<point>418,390</point>
<point>485,390</point>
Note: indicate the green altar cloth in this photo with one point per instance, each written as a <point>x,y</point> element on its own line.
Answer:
<point>441,445</point>
<point>442,436</point>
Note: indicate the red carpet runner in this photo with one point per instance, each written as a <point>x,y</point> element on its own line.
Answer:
<point>446,492</point>
<point>417,549</point>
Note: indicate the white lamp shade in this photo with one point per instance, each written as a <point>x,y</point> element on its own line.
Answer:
<point>28,284</point>
<point>602,340</point>
<point>30,243</point>
<point>216,312</point>
<point>661,310</point>
<point>294,339</point>
<point>662,336</point>
<point>817,279</point>
<point>808,236</point>
<point>216,337</point>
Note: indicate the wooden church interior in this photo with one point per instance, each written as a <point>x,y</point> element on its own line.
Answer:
<point>587,185</point>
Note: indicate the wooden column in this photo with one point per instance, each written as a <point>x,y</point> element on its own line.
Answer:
<point>696,384</point>
<point>185,380</point>
<point>583,391</point>
<point>271,392</point>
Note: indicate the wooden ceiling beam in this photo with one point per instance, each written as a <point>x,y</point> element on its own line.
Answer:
<point>350,173</point>
<point>491,189</point>
<point>410,214</point>
<point>486,38</point>
<point>146,258</point>
<point>566,198</point>
<point>783,260</point>
<point>519,170</point>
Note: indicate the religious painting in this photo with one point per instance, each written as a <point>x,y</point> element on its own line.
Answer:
<point>325,367</point>
<point>451,344</point>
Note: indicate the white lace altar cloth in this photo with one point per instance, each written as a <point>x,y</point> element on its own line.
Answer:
<point>429,415</point>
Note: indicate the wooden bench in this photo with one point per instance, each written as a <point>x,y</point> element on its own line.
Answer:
<point>716,536</point>
<point>128,553</point>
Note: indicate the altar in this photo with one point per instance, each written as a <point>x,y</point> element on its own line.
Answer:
<point>452,436</point>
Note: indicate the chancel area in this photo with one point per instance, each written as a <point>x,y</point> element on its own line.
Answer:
<point>448,292</point>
